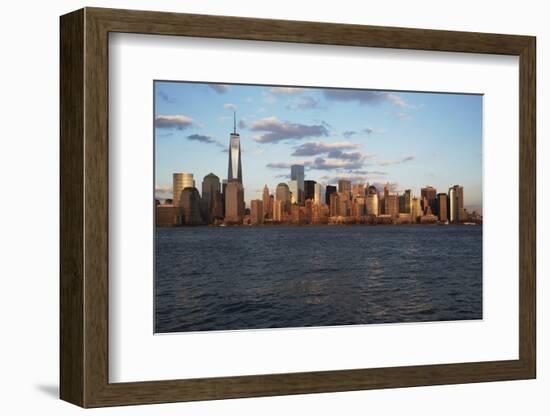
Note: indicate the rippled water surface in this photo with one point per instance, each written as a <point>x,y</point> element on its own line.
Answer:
<point>211,278</point>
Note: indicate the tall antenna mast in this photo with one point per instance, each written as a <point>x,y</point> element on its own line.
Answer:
<point>234,122</point>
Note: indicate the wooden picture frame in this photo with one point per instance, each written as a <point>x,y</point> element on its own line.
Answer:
<point>84,207</point>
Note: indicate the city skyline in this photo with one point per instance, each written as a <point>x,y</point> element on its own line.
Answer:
<point>317,129</point>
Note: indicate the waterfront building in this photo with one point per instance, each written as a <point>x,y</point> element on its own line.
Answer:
<point>372,204</point>
<point>309,190</point>
<point>344,185</point>
<point>266,200</point>
<point>190,204</point>
<point>391,205</point>
<point>211,201</point>
<point>416,209</point>
<point>456,204</point>
<point>358,189</point>
<point>234,202</point>
<point>271,205</point>
<point>256,212</point>
<point>308,211</point>
<point>297,174</point>
<point>405,202</point>
<point>294,192</point>
<point>278,210</point>
<point>334,204</point>
<point>329,190</point>
<point>428,196</point>
<point>167,215</point>
<point>282,194</point>
<point>234,170</point>
<point>319,197</point>
<point>359,208</point>
<point>296,214</point>
<point>344,204</point>
<point>180,181</point>
<point>442,201</point>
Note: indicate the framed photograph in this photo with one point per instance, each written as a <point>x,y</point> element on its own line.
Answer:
<point>255,207</point>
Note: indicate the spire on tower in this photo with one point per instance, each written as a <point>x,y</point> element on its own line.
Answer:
<point>234,122</point>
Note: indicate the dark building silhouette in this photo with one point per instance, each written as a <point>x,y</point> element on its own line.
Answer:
<point>309,190</point>
<point>211,201</point>
<point>428,196</point>
<point>328,191</point>
<point>190,204</point>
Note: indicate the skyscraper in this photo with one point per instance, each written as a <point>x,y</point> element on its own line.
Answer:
<point>234,170</point>
<point>211,197</point>
<point>180,181</point>
<point>190,206</point>
<point>297,174</point>
<point>256,212</point>
<point>309,190</point>
<point>294,191</point>
<point>456,204</point>
<point>266,200</point>
<point>358,189</point>
<point>318,196</point>
<point>372,204</point>
<point>405,202</point>
<point>442,202</point>
<point>391,205</point>
<point>234,202</point>
<point>344,185</point>
<point>329,190</point>
<point>428,196</point>
<point>282,194</point>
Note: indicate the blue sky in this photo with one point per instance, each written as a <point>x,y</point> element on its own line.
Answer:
<point>408,139</point>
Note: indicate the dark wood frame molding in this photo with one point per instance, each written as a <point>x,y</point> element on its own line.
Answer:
<point>84,207</point>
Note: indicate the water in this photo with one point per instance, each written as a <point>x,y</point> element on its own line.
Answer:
<point>278,277</point>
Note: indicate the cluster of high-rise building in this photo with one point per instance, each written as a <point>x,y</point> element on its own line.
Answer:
<point>300,201</point>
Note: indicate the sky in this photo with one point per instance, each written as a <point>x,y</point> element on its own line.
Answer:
<point>407,139</point>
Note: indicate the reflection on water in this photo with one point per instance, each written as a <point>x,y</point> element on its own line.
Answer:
<point>278,277</point>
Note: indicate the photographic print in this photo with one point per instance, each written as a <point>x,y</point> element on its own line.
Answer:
<point>289,207</point>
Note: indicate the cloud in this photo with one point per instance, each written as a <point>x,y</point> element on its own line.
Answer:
<point>367,130</point>
<point>304,103</point>
<point>201,138</point>
<point>165,97</point>
<point>219,88</point>
<point>230,106</point>
<point>163,190</point>
<point>277,131</point>
<point>366,97</point>
<point>370,172</point>
<point>354,176</point>
<point>392,186</point>
<point>338,154</point>
<point>397,161</point>
<point>178,122</point>
<point>242,123</point>
<point>286,165</point>
<point>403,116</point>
<point>320,147</point>
<point>286,90</point>
<point>321,163</point>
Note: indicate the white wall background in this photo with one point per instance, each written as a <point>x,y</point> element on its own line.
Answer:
<point>29,210</point>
